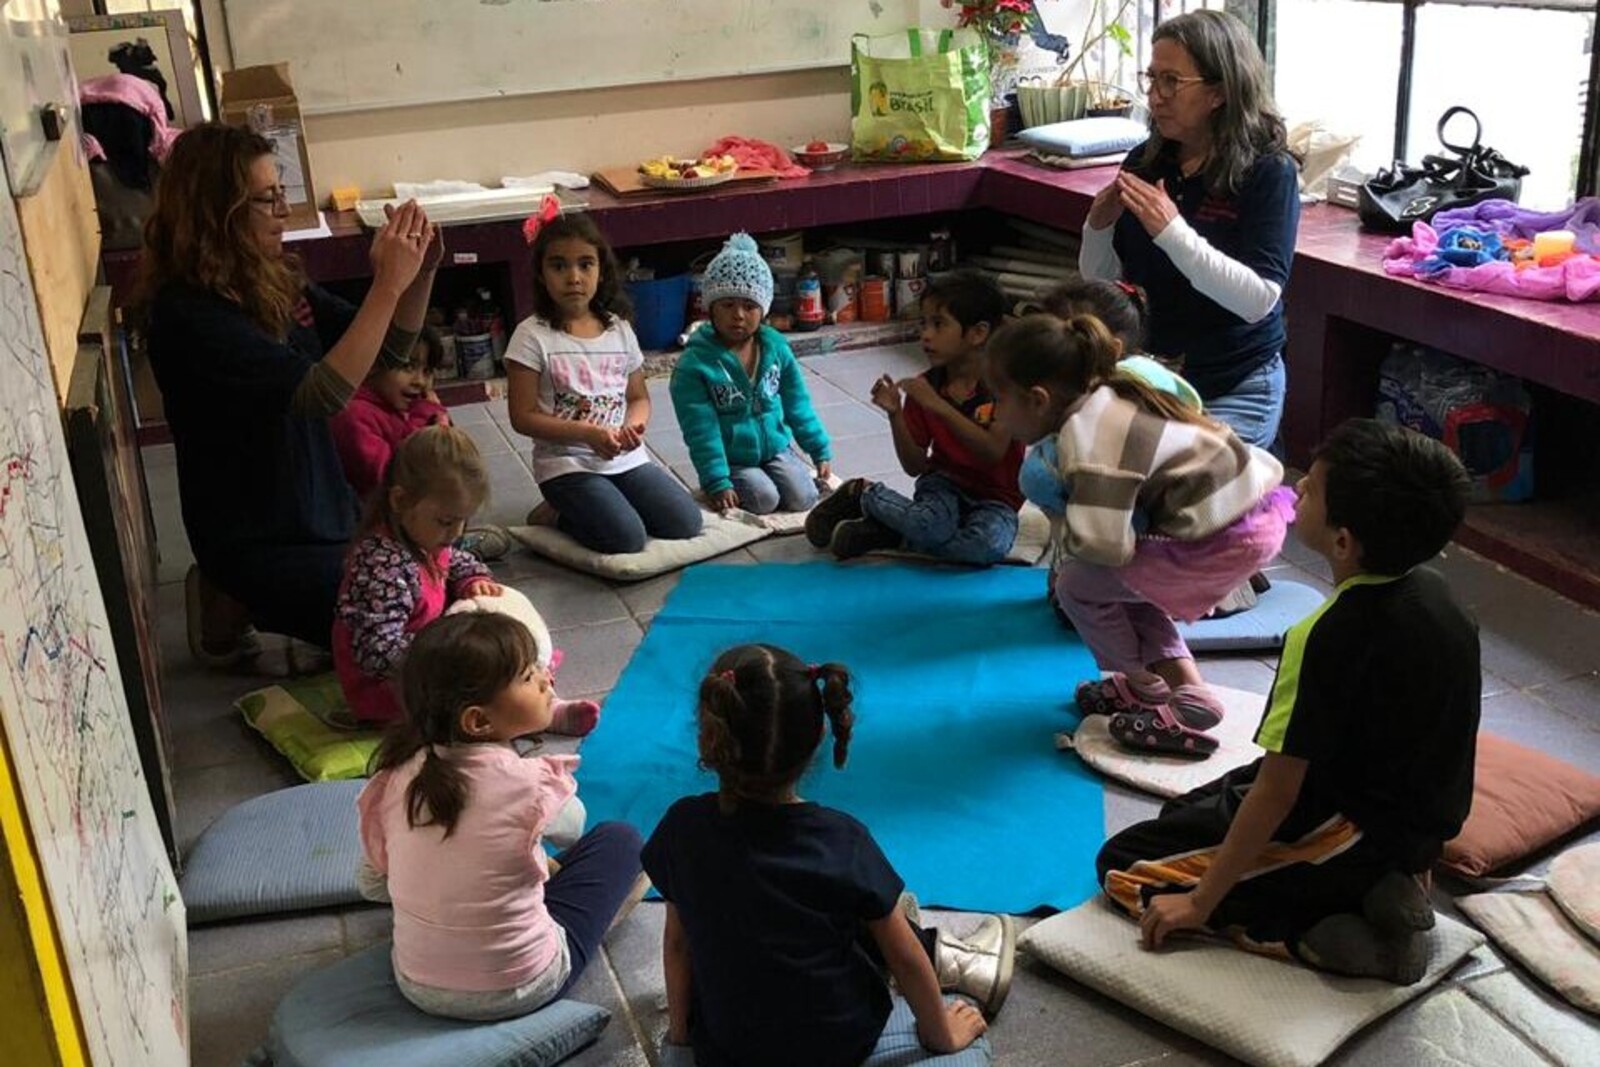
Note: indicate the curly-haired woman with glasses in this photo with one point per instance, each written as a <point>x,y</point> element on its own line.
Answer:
<point>1203,216</point>
<point>252,359</point>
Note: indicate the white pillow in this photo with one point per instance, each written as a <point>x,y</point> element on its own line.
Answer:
<point>1086,137</point>
<point>780,523</point>
<point>1172,776</point>
<point>512,602</point>
<point>720,534</point>
<point>1264,1011</point>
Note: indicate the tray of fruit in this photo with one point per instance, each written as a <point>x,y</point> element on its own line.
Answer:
<point>668,172</point>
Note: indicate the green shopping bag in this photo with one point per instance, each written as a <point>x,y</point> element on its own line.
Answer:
<point>919,96</point>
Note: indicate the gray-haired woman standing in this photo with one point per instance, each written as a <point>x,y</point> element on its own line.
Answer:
<point>1203,216</point>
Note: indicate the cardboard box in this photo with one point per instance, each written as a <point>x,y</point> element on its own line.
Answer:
<point>263,99</point>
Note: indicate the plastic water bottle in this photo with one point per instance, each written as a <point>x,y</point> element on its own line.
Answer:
<point>809,312</point>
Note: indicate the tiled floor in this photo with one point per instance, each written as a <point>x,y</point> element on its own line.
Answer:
<point>1541,655</point>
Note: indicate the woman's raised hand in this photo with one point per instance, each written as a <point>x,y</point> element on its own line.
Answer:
<point>399,248</point>
<point>1149,203</point>
<point>1107,206</point>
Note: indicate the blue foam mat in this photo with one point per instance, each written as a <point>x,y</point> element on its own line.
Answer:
<point>962,678</point>
<point>1263,626</point>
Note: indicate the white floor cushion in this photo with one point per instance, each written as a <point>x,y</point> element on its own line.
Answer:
<point>1575,886</point>
<point>780,523</point>
<point>721,534</point>
<point>1537,934</point>
<point>1171,776</point>
<point>1263,1011</point>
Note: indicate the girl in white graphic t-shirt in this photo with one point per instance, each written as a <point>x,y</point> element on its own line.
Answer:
<point>575,376</point>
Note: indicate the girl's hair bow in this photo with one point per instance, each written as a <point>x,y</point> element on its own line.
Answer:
<point>549,211</point>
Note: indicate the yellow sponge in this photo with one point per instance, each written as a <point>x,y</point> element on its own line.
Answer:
<point>345,197</point>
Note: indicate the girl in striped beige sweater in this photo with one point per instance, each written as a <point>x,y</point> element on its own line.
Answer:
<point>1216,507</point>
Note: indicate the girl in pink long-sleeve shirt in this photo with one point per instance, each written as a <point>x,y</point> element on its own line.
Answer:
<point>452,824</point>
<point>391,405</point>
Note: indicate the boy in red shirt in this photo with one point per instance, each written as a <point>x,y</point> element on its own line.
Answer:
<point>965,503</point>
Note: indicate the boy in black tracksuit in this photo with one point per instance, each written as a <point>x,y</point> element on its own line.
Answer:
<point>1317,850</point>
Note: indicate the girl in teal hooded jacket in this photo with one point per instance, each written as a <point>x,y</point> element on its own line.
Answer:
<point>741,399</point>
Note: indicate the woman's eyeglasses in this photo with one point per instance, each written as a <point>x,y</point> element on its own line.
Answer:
<point>1166,84</point>
<point>271,202</point>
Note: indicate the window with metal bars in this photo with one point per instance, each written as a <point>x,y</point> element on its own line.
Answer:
<point>1387,69</point>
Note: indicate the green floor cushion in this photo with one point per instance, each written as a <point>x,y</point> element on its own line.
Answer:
<point>1264,1011</point>
<point>898,1047</point>
<point>284,851</point>
<point>353,1015</point>
<point>307,720</point>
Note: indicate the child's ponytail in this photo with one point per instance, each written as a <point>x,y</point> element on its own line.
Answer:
<point>437,794</point>
<point>836,701</point>
<point>762,715</point>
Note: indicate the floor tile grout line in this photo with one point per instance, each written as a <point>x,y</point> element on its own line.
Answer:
<point>639,1037</point>
<point>1499,1017</point>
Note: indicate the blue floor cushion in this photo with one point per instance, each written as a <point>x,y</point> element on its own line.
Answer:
<point>898,1047</point>
<point>352,1015</point>
<point>283,851</point>
<point>1262,626</point>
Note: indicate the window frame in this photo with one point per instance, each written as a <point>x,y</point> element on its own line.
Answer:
<point>1261,16</point>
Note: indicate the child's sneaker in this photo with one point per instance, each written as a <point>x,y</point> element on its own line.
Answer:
<point>841,505</point>
<point>979,965</point>
<point>574,718</point>
<point>217,626</point>
<point>857,537</point>
<point>490,544</point>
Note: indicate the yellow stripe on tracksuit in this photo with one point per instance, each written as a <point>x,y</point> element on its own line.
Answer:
<point>1184,870</point>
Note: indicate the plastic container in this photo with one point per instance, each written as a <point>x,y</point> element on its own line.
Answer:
<point>697,285</point>
<point>783,251</point>
<point>660,309</point>
<point>809,312</point>
<point>875,299</point>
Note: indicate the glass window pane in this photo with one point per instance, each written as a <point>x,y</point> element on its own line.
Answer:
<point>1533,114</point>
<point>1338,62</point>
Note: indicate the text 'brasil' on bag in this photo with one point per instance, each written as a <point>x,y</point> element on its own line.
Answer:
<point>919,96</point>
<point>1401,195</point>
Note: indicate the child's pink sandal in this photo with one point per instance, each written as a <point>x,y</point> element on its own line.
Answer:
<point>1197,707</point>
<point>1156,729</point>
<point>1115,693</point>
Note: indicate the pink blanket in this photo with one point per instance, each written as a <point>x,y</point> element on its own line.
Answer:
<point>1576,279</point>
<point>137,94</point>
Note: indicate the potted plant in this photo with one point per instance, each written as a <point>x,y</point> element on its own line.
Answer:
<point>1074,95</point>
<point>1107,101</point>
<point>1002,24</point>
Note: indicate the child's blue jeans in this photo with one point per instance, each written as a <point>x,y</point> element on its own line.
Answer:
<point>943,521</point>
<point>617,512</point>
<point>782,483</point>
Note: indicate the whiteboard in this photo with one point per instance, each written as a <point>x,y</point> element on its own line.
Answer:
<point>35,69</point>
<point>352,55</point>
<point>111,890</point>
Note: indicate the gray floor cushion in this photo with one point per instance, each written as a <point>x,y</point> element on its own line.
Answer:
<point>898,1047</point>
<point>284,851</point>
<point>352,1015</point>
<point>1262,626</point>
